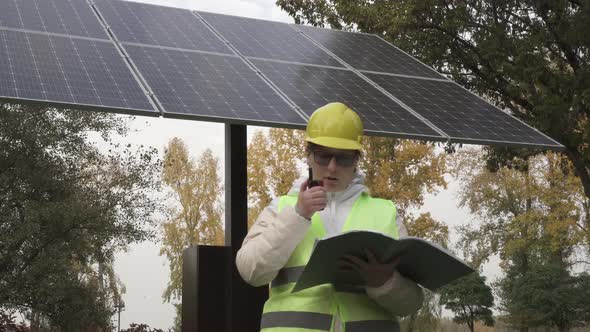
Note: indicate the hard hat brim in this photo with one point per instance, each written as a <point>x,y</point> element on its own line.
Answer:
<point>335,143</point>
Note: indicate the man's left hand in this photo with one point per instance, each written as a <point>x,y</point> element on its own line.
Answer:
<point>372,271</point>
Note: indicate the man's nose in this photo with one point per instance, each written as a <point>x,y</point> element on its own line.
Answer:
<point>332,164</point>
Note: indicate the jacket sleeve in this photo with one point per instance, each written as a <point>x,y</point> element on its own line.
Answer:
<point>399,295</point>
<point>269,244</point>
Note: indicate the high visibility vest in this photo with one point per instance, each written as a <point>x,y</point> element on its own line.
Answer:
<point>314,309</point>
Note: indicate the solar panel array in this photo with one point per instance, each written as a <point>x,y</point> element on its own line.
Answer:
<point>310,87</point>
<point>210,86</point>
<point>368,52</point>
<point>58,52</point>
<point>462,115</point>
<point>269,40</point>
<point>161,26</point>
<point>66,70</point>
<point>113,54</point>
<point>70,17</point>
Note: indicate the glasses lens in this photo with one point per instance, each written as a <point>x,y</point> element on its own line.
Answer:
<point>322,158</point>
<point>342,160</point>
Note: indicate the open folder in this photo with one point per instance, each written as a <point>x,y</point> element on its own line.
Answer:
<point>426,263</point>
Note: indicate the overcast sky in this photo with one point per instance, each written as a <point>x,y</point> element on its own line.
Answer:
<point>141,269</point>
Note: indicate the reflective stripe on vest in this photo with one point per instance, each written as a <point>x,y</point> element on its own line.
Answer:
<point>296,319</point>
<point>287,275</point>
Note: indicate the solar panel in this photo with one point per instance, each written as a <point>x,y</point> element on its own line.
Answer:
<point>71,17</point>
<point>311,87</point>
<point>155,25</point>
<point>459,113</point>
<point>368,52</point>
<point>67,70</point>
<point>269,40</point>
<point>210,86</point>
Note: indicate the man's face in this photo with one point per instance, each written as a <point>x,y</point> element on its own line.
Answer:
<point>334,167</point>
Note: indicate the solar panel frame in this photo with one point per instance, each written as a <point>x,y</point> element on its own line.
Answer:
<point>383,57</point>
<point>251,39</point>
<point>66,17</point>
<point>178,90</point>
<point>159,26</point>
<point>456,111</point>
<point>72,57</point>
<point>84,73</point>
<point>315,86</point>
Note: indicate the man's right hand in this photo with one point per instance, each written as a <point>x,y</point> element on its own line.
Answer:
<point>310,200</point>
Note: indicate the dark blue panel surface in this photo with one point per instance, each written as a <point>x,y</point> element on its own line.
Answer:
<point>459,113</point>
<point>70,17</point>
<point>156,25</point>
<point>311,87</point>
<point>368,52</point>
<point>266,39</point>
<point>211,86</point>
<point>66,70</point>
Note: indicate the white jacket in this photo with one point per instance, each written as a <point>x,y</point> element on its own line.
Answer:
<point>273,238</point>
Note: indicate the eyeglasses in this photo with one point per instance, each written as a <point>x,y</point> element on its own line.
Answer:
<point>342,159</point>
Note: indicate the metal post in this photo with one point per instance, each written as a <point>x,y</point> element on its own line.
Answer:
<point>244,303</point>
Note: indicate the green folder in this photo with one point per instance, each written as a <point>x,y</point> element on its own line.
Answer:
<point>428,264</point>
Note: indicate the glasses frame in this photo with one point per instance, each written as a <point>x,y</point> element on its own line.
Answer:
<point>341,159</point>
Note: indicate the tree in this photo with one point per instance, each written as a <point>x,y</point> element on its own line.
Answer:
<point>546,296</point>
<point>529,57</point>
<point>134,327</point>
<point>470,299</point>
<point>402,170</point>
<point>65,207</point>
<point>8,324</point>
<point>196,217</point>
<point>272,166</point>
<point>532,214</point>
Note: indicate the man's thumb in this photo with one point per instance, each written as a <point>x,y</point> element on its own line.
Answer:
<point>303,186</point>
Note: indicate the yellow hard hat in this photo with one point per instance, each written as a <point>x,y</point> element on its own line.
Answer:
<point>336,126</point>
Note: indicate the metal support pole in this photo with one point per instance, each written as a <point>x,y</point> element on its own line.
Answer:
<point>244,303</point>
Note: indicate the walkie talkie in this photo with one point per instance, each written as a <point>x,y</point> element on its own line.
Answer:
<point>311,182</point>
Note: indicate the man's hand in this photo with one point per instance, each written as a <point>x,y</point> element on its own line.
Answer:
<point>372,271</point>
<point>310,200</point>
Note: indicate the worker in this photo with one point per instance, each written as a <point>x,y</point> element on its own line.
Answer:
<point>281,241</point>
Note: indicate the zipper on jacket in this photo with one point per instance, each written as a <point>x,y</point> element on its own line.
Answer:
<point>332,206</point>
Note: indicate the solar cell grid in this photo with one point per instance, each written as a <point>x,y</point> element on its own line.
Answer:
<point>70,17</point>
<point>212,86</point>
<point>67,70</point>
<point>368,52</point>
<point>462,115</point>
<point>266,39</point>
<point>311,87</point>
<point>156,25</point>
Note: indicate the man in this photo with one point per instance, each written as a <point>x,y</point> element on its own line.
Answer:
<point>280,243</point>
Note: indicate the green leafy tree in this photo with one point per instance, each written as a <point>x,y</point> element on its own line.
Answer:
<point>529,57</point>
<point>66,208</point>
<point>134,327</point>
<point>532,213</point>
<point>196,217</point>
<point>8,324</point>
<point>546,296</point>
<point>470,299</point>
